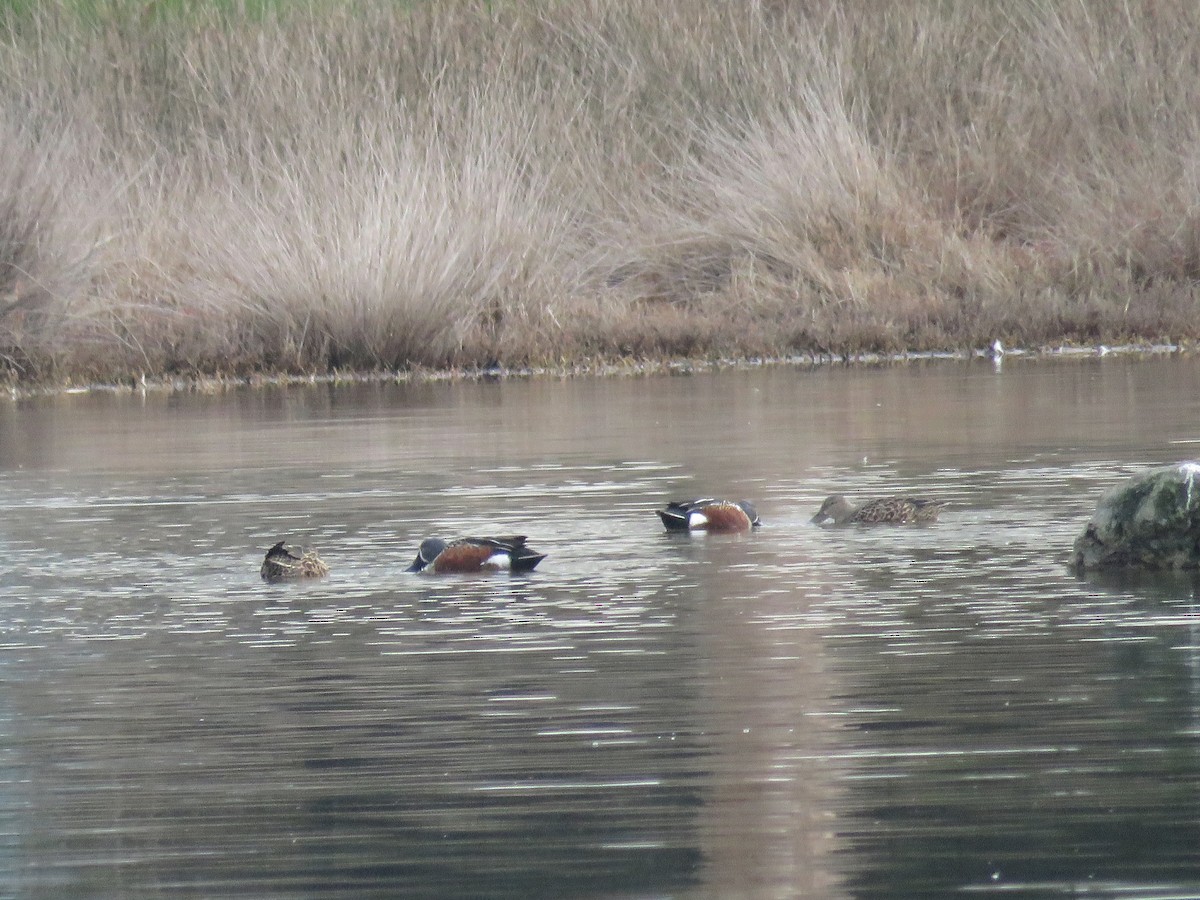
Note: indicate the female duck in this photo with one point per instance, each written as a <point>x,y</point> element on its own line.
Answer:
<point>476,555</point>
<point>280,564</point>
<point>885,511</point>
<point>709,515</point>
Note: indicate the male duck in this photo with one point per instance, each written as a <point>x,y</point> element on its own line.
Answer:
<point>709,515</point>
<point>888,510</point>
<point>281,564</point>
<point>476,555</point>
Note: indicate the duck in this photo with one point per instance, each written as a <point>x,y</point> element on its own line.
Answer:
<point>281,564</point>
<point>709,514</point>
<point>886,510</point>
<point>476,554</point>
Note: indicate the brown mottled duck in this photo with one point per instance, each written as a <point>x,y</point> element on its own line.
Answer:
<point>884,511</point>
<point>281,564</point>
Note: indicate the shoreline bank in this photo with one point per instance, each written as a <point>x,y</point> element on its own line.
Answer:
<point>594,369</point>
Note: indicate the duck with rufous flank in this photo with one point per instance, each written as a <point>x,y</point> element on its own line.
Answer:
<point>709,514</point>
<point>476,555</point>
<point>280,564</point>
<point>884,511</point>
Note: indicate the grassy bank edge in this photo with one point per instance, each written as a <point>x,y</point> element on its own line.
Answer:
<point>627,368</point>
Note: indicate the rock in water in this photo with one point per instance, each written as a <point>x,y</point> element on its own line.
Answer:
<point>1152,521</point>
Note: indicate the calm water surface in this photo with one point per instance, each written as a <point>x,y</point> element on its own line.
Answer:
<point>802,712</point>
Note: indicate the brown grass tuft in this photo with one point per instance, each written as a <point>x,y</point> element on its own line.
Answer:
<point>377,186</point>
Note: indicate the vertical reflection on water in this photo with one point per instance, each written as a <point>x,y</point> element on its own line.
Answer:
<point>798,712</point>
<point>766,826</point>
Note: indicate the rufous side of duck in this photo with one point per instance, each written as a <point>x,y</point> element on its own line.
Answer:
<point>476,555</point>
<point>281,564</point>
<point>709,514</point>
<point>885,511</point>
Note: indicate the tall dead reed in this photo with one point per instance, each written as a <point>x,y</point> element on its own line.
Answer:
<point>376,186</point>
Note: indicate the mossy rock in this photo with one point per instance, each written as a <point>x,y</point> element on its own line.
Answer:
<point>1152,521</point>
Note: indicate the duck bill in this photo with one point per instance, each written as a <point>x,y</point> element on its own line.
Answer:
<point>818,518</point>
<point>417,566</point>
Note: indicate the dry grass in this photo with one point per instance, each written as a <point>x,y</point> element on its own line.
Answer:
<point>372,186</point>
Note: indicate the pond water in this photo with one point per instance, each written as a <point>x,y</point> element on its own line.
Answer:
<point>800,712</point>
